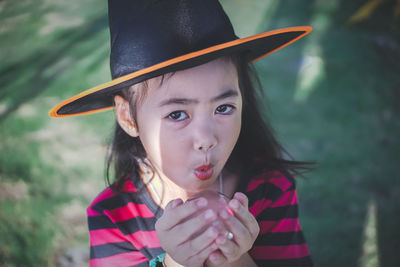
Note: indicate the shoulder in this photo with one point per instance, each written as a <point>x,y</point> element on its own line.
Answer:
<point>119,206</point>
<point>109,199</point>
<point>270,185</point>
<point>121,228</point>
<point>271,190</point>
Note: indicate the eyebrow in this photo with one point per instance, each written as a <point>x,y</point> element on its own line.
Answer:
<point>186,101</point>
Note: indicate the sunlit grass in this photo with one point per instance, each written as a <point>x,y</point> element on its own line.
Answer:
<point>369,257</point>
<point>311,73</point>
<point>312,69</point>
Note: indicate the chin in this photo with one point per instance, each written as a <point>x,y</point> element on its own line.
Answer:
<point>203,185</point>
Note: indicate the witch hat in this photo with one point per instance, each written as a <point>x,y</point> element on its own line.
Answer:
<point>150,38</point>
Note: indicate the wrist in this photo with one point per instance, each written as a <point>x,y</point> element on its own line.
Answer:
<point>170,262</point>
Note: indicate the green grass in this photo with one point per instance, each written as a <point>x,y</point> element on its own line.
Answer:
<point>332,98</point>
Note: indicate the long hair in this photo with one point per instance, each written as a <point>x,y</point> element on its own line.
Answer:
<point>256,149</point>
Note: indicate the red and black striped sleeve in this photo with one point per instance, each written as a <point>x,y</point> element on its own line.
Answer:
<point>273,202</point>
<point>121,231</point>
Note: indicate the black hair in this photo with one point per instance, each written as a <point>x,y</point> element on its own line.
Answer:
<point>256,150</point>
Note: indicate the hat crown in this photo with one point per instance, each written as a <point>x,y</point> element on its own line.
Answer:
<point>147,32</point>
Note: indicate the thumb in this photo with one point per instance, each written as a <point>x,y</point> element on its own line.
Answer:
<point>174,203</point>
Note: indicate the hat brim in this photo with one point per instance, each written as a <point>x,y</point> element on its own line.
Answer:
<point>254,47</point>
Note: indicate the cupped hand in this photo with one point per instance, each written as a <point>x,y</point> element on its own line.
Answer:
<point>186,232</point>
<point>244,228</point>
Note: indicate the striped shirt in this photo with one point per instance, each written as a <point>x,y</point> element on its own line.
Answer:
<point>122,233</point>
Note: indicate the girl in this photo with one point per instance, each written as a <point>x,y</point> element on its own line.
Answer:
<point>187,122</point>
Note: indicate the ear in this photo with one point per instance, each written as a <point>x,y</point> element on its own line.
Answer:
<point>124,118</point>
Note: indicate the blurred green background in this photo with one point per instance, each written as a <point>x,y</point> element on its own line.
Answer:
<point>333,97</point>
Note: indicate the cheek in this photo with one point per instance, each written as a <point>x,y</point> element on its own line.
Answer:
<point>236,132</point>
<point>238,124</point>
<point>229,135</point>
<point>173,147</point>
<point>149,134</point>
<point>232,130</point>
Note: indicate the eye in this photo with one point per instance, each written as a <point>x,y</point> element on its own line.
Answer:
<point>225,109</point>
<point>177,115</point>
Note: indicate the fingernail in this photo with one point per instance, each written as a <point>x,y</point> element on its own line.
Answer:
<point>201,202</point>
<point>177,202</point>
<point>234,204</point>
<point>239,196</point>
<point>209,214</point>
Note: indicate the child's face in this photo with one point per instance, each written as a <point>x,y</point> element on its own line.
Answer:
<point>192,120</point>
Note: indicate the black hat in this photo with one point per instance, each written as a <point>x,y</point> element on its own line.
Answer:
<point>152,37</point>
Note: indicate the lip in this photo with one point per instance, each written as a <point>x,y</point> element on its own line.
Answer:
<point>204,172</point>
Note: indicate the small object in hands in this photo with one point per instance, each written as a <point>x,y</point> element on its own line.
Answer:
<point>216,201</point>
<point>229,235</point>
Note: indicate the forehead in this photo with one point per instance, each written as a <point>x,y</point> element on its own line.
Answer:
<point>201,81</point>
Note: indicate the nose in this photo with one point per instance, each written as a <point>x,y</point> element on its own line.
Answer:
<point>204,136</point>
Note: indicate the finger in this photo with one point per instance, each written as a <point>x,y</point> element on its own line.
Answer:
<point>193,227</point>
<point>186,231</point>
<point>200,242</point>
<point>173,204</point>
<point>242,198</point>
<point>174,214</point>
<point>240,211</point>
<point>204,254</point>
<point>216,258</point>
<point>229,249</point>
<point>241,234</point>
<point>244,216</point>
